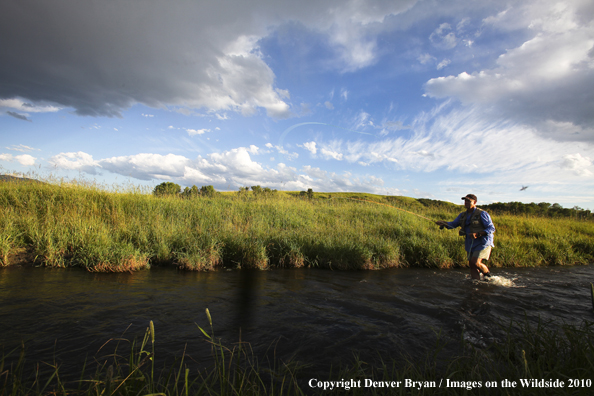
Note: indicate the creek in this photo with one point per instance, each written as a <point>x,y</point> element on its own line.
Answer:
<point>320,317</point>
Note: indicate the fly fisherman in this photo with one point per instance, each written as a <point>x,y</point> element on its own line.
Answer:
<point>476,225</point>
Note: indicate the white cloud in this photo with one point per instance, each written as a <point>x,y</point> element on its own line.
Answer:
<point>426,58</point>
<point>22,148</point>
<point>443,37</point>
<point>363,119</point>
<point>21,105</point>
<point>463,141</point>
<point>547,80</point>
<point>329,105</point>
<point>311,146</point>
<point>577,164</point>
<point>146,166</point>
<point>230,168</point>
<point>24,159</point>
<point>193,132</point>
<point>331,154</point>
<point>350,26</point>
<point>443,64</point>
<point>148,115</point>
<point>281,150</point>
<point>75,161</point>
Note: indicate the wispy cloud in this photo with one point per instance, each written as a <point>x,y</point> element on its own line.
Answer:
<point>22,148</point>
<point>464,141</point>
<point>18,116</point>
<point>546,81</point>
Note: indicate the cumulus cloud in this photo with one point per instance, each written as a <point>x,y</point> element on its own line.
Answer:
<point>24,159</point>
<point>546,81</point>
<point>229,168</point>
<point>577,164</point>
<point>146,166</point>
<point>101,59</point>
<point>75,161</point>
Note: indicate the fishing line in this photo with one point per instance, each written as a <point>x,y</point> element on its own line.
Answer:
<point>289,129</point>
<point>390,206</point>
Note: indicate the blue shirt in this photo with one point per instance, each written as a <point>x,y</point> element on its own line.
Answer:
<point>479,243</point>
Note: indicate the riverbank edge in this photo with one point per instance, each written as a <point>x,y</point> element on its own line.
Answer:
<point>25,257</point>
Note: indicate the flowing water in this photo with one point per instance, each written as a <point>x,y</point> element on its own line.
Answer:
<point>316,316</point>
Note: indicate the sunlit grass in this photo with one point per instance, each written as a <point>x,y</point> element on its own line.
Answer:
<point>63,224</point>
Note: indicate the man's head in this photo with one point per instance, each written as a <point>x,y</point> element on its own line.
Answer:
<point>469,201</point>
<point>470,196</point>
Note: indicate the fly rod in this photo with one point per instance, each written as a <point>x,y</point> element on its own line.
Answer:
<point>390,206</point>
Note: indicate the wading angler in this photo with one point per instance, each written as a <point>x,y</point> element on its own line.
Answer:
<point>478,229</point>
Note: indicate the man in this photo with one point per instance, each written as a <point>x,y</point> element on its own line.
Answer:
<point>477,226</point>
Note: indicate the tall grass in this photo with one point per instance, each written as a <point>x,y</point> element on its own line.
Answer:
<point>68,224</point>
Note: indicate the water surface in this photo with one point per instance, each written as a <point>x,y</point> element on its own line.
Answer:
<point>318,316</point>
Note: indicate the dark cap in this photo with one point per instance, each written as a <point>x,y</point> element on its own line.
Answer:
<point>470,196</point>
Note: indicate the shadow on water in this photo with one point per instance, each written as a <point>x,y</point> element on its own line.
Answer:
<point>320,317</point>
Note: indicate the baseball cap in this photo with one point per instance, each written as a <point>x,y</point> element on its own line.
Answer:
<point>470,196</point>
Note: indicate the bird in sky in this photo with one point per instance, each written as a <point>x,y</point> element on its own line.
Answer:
<point>523,188</point>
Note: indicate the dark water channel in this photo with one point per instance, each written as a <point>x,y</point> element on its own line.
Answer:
<point>316,316</point>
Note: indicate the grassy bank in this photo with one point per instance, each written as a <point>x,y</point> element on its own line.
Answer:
<point>63,225</point>
<point>527,352</point>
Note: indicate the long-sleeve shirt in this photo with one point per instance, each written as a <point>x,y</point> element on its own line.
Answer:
<point>479,243</point>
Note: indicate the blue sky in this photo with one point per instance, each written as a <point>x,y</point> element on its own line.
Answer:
<point>431,99</point>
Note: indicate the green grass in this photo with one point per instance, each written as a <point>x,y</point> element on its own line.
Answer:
<point>58,224</point>
<point>525,351</point>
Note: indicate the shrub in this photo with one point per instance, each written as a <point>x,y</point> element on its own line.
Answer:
<point>166,188</point>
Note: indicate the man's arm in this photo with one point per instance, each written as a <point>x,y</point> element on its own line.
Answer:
<point>450,224</point>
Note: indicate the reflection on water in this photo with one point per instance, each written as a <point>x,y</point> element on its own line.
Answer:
<point>318,316</point>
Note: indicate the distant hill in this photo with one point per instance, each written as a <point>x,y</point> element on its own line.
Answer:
<point>8,178</point>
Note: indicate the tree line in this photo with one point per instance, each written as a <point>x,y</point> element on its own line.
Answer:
<point>174,189</point>
<point>544,209</point>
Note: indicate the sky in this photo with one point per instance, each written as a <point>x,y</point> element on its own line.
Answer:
<point>421,98</point>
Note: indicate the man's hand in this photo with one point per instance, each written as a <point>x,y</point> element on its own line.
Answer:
<point>476,235</point>
<point>441,223</point>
